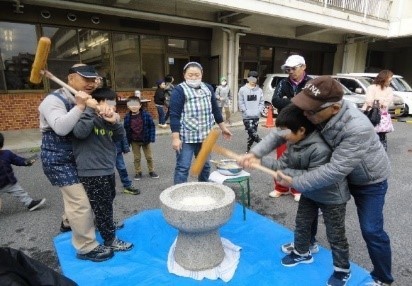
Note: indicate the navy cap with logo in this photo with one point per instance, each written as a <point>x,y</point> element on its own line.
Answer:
<point>317,92</point>
<point>85,71</point>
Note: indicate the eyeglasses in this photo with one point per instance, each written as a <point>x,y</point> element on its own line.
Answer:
<point>289,69</point>
<point>311,112</point>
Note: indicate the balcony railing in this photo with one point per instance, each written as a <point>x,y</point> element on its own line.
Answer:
<point>379,9</point>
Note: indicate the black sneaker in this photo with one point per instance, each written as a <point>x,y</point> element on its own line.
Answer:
<point>64,228</point>
<point>153,175</point>
<point>35,204</point>
<point>338,278</point>
<point>294,259</point>
<point>118,245</point>
<point>98,254</point>
<point>138,176</point>
<point>131,190</point>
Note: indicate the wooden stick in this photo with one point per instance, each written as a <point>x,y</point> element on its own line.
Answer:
<point>204,152</point>
<point>232,155</point>
<point>58,81</point>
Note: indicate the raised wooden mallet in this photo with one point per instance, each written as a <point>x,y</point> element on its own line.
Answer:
<point>209,145</point>
<point>39,64</point>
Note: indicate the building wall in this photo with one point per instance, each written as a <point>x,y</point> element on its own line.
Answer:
<point>20,110</point>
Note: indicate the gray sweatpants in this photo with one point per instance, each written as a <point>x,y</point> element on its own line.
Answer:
<point>17,191</point>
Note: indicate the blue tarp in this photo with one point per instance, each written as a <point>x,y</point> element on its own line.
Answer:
<point>146,264</point>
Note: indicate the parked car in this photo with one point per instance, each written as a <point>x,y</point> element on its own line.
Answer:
<point>400,88</point>
<point>359,85</point>
<point>272,80</point>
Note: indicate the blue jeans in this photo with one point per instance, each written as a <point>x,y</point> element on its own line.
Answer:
<point>369,201</point>
<point>121,169</point>
<point>184,160</point>
<point>161,113</point>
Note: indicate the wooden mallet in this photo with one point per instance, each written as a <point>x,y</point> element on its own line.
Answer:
<point>39,64</point>
<point>209,145</point>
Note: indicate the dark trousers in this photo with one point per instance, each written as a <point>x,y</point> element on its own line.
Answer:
<point>384,141</point>
<point>369,200</point>
<point>334,218</point>
<point>101,192</point>
<point>251,126</point>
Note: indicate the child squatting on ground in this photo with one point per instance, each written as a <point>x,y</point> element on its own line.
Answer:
<point>95,153</point>
<point>8,181</point>
<point>306,150</point>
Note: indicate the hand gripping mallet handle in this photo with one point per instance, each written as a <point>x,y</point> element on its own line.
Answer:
<point>232,155</point>
<point>39,64</point>
<point>209,145</point>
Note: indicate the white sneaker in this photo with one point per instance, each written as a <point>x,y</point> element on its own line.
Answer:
<point>275,194</point>
<point>296,197</point>
<point>287,248</point>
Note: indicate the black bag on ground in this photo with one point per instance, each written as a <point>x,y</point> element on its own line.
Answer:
<point>374,113</point>
<point>18,269</point>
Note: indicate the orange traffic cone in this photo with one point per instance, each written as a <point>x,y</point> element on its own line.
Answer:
<point>269,118</point>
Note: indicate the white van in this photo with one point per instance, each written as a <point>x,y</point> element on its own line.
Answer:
<point>399,85</point>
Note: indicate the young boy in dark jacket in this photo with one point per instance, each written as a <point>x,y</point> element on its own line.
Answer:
<point>8,181</point>
<point>95,153</point>
<point>306,151</point>
<point>140,132</point>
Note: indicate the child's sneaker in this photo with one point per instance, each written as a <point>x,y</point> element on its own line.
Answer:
<point>294,259</point>
<point>275,194</point>
<point>338,278</point>
<point>138,176</point>
<point>287,248</point>
<point>118,245</point>
<point>35,204</point>
<point>131,190</point>
<point>153,175</point>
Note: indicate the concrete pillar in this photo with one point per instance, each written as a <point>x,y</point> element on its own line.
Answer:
<point>354,57</point>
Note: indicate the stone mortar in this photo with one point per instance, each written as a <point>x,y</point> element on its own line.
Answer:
<point>198,210</point>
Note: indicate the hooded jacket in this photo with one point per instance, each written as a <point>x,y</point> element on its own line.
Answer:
<point>251,102</point>
<point>307,155</point>
<point>357,154</point>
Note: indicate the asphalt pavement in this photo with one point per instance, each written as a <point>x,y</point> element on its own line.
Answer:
<point>33,232</point>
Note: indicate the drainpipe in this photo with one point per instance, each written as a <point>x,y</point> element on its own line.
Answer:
<point>236,71</point>
<point>230,58</point>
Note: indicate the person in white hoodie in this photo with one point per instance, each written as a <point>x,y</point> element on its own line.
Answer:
<point>251,105</point>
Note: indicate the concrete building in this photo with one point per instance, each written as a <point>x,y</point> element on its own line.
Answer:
<point>134,43</point>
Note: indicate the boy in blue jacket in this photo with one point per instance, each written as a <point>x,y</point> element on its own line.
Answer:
<point>140,132</point>
<point>8,181</point>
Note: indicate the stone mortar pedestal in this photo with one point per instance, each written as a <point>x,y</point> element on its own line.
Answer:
<point>198,210</point>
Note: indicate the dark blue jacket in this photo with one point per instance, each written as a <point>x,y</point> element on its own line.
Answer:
<point>149,128</point>
<point>286,90</point>
<point>8,158</point>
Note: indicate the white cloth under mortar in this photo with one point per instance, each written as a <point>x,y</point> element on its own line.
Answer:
<point>224,270</point>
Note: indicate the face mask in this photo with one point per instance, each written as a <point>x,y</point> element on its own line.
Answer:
<point>224,82</point>
<point>193,82</point>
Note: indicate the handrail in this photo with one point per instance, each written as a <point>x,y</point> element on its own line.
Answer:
<point>379,9</point>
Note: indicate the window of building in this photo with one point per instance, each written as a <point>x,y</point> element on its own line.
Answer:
<point>153,59</point>
<point>18,44</point>
<point>95,51</point>
<point>64,52</point>
<point>127,64</point>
